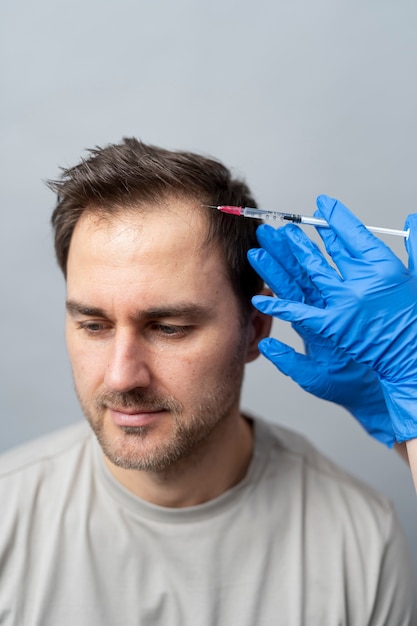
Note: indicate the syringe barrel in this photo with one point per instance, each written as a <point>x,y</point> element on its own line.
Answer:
<point>262,214</point>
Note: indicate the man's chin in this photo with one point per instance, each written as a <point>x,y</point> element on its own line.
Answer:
<point>134,448</point>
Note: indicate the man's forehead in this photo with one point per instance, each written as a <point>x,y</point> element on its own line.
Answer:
<point>157,259</point>
<point>175,235</point>
<point>181,217</point>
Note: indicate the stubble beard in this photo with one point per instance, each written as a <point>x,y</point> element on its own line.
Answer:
<point>135,450</point>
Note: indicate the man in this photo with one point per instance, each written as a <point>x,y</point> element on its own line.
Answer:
<point>179,509</point>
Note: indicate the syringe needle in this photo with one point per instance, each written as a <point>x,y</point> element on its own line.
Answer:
<point>266,214</point>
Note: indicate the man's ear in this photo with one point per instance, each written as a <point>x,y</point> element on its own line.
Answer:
<point>259,327</point>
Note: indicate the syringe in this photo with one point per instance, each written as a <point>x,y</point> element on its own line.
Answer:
<point>266,214</point>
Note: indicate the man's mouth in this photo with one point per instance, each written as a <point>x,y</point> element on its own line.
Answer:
<point>135,417</point>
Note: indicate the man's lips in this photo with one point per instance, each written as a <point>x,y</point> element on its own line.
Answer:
<point>134,417</point>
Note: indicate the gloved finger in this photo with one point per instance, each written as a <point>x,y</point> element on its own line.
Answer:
<point>276,244</point>
<point>309,317</point>
<point>291,363</point>
<point>319,347</point>
<point>355,238</point>
<point>411,241</point>
<point>271,239</point>
<point>308,255</point>
<point>274,275</point>
<point>335,248</point>
<point>343,260</point>
<point>274,241</point>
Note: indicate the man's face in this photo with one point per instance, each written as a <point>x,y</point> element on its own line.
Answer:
<point>154,334</point>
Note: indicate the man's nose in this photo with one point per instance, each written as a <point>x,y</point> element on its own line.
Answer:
<point>128,365</point>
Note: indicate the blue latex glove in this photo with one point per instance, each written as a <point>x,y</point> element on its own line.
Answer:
<point>370,308</point>
<point>325,370</point>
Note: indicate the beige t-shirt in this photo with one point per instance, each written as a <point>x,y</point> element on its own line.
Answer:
<point>297,542</point>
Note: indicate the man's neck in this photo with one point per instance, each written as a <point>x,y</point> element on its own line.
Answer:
<point>219,463</point>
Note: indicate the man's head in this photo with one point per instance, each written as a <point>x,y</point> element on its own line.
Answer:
<point>158,333</point>
<point>131,175</point>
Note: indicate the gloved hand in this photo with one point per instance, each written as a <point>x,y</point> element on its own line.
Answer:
<point>370,308</point>
<point>325,370</point>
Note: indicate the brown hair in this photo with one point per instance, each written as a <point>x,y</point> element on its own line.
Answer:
<point>131,172</point>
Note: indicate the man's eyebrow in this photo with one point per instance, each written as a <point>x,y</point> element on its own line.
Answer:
<point>77,308</point>
<point>182,309</point>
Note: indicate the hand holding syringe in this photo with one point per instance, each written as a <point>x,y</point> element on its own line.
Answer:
<point>265,214</point>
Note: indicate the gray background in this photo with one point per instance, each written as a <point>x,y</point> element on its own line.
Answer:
<point>300,97</point>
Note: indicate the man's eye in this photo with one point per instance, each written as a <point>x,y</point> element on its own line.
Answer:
<point>93,328</point>
<point>170,329</point>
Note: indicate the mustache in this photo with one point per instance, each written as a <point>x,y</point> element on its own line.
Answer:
<point>137,400</point>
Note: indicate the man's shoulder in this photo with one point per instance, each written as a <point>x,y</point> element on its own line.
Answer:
<point>43,450</point>
<point>306,462</point>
